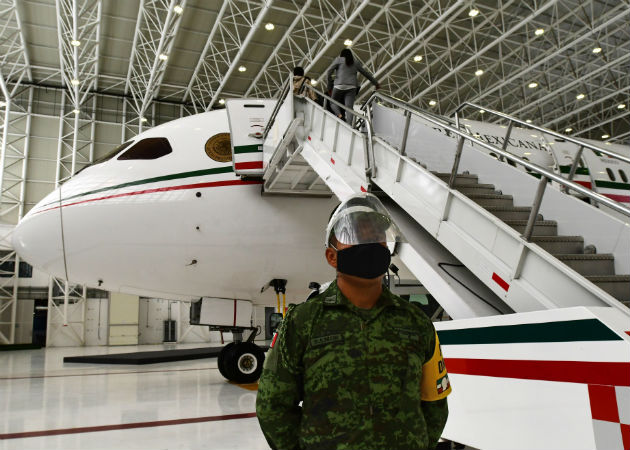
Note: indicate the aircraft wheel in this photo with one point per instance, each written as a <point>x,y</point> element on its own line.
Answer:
<point>244,362</point>
<point>221,360</point>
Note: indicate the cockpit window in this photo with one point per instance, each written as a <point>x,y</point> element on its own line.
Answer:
<point>149,148</point>
<point>113,153</point>
<point>109,155</point>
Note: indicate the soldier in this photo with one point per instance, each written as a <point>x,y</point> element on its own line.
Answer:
<point>355,367</point>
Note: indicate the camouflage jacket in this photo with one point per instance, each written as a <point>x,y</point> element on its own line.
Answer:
<point>367,379</point>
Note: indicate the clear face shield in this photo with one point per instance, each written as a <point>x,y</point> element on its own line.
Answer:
<point>363,220</point>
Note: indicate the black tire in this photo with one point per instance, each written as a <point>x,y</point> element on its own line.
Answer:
<point>244,362</point>
<point>222,358</point>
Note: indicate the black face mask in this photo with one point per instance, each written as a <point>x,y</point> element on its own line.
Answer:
<point>364,260</point>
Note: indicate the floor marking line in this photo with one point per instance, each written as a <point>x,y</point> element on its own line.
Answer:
<point>107,373</point>
<point>125,426</point>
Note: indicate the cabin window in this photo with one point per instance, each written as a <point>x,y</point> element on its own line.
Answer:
<point>149,148</point>
<point>623,175</point>
<point>611,174</point>
<point>494,155</point>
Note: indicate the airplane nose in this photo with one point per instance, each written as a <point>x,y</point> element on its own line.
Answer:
<point>37,238</point>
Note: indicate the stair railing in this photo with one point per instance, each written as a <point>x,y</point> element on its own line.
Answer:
<point>370,169</point>
<point>579,142</point>
<point>545,175</point>
<point>283,94</point>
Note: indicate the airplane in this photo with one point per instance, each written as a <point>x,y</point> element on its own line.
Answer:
<point>165,215</point>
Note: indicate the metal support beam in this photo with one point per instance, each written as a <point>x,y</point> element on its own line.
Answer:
<point>156,28</point>
<point>480,52</point>
<point>439,20</point>
<point>231,33</point>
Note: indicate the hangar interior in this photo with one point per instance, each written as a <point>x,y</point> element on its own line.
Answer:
<point>80,77</point>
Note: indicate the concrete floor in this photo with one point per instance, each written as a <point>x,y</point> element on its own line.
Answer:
<point>46,404</point>
<point>182,405</point>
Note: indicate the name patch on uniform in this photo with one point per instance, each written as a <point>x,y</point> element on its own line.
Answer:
<point>408,334</point>
<point>323,340</point>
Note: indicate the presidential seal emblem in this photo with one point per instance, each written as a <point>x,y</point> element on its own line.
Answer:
<point>218,147</point>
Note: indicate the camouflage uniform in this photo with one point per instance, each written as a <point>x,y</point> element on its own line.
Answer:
<point>360,373</point>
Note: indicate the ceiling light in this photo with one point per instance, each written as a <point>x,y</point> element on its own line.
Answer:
<point>580,96</point>
<point>479,72</point>
<point>313,82</point>
<point>539,32</point>
<point>3,104</point>
<point>608,143</point>
<point>163,57</point>
<point>473,12</point>
<point>269,26</point>
<point>221,101</point>
<point>76,111</point>
<point>242,69</point>
<point>597,50</point>
<point>75,43</point>
<point>143,119</point>
<point>417,58</point>
<point>621,106</point>
<point>178,9</point>
<point>432,103</point>
<point>482,111</point>
<point>605,136</point>
<point>75,82</point>
<point>347,42</point>
<point>530,121</point>
<point>568,130</point>
<point>532,85</point>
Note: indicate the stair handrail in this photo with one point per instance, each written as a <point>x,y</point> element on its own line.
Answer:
<point>370,169</point>
<point>462,136</point>
<point>579,142</point>
<point>272,118</point>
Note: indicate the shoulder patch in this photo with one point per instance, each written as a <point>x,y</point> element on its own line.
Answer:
<point>435,384</point>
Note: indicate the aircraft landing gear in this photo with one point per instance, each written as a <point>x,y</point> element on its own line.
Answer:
<point>241,362</point>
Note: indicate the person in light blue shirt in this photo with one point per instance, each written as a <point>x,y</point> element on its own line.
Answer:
<point>344,87</point>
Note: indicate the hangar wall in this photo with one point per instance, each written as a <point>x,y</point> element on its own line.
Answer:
<point>47,141</point>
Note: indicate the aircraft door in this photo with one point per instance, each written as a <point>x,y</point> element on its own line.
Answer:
<point>248,119</point>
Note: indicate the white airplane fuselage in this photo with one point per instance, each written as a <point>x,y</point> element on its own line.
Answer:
<point>181,226</point>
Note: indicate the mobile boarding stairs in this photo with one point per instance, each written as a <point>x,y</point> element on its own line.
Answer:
<point>542,336</point>
<point>431,173</point>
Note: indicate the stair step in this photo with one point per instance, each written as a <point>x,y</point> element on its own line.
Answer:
<point>560,245</point>
<point>603,264</point>
<point>486,200</point>
<point>616,285</point>
<point>462,178</point>
<point>512,213</point>
<point>471,189</point>
<point>541,227</point>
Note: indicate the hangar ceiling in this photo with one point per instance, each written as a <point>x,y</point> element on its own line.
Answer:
<point>564,64</point>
